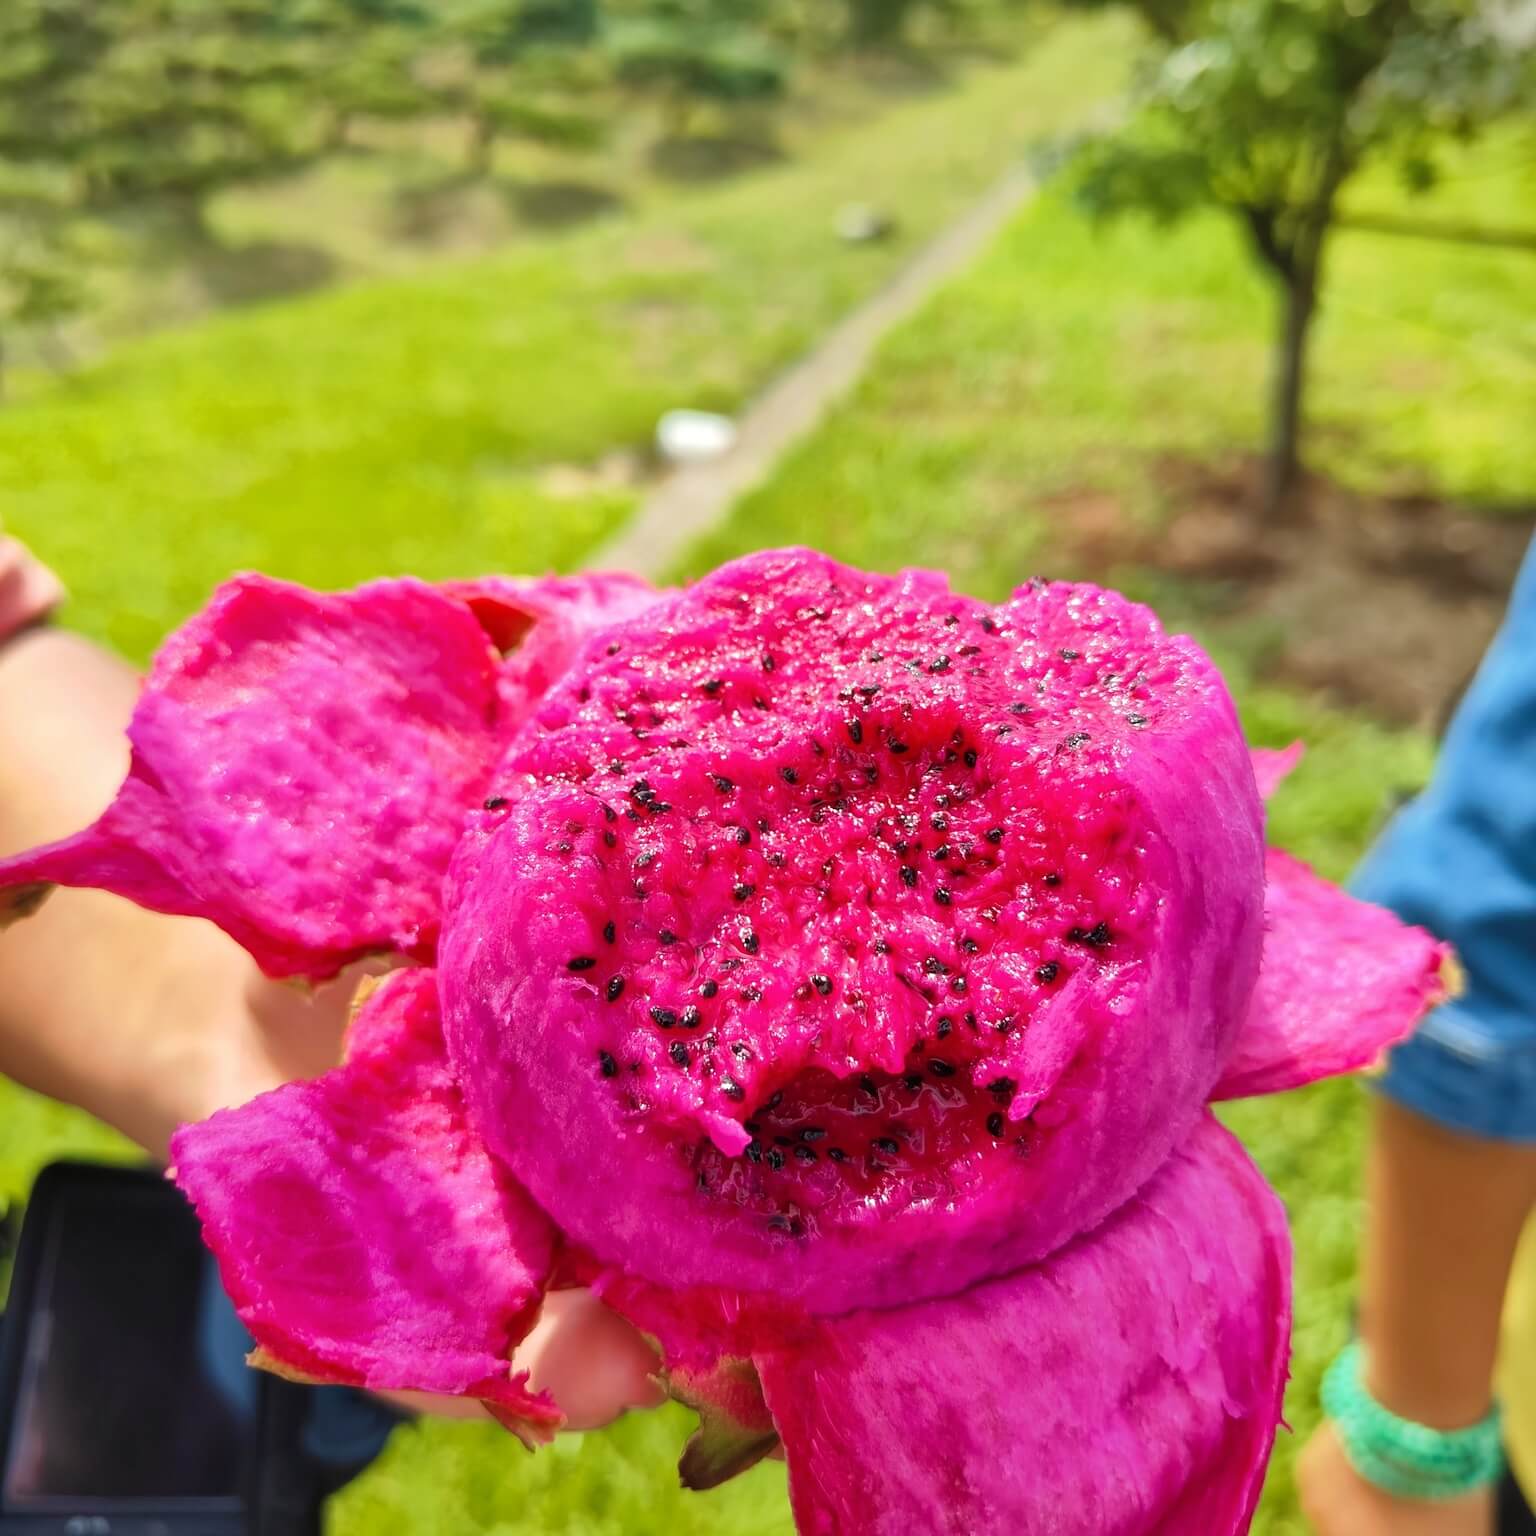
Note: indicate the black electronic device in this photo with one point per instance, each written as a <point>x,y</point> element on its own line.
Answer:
<point>126,1405</point>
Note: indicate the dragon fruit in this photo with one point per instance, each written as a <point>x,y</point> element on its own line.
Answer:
<point>831,970</point>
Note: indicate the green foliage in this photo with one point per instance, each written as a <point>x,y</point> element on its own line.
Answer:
<point>1268,105</point>
<point>683,50</point>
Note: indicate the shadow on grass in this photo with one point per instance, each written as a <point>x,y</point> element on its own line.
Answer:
<point>706,157</point>
<point>561,204</point>
<point>233,275</point>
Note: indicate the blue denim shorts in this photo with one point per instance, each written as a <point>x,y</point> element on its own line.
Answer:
<point>1461,861</point>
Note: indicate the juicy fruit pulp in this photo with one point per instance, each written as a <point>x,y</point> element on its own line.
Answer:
<point>824,901</point>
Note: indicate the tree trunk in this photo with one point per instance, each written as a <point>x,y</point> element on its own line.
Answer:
<point>482,145</point>
<point>1298,305</point>
<point>878,23</point>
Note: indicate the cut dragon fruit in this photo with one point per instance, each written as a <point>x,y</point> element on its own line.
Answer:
<point>830,970</point>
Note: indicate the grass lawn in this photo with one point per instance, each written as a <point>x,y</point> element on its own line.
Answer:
<point>412,423</point>
<point>1071,359</point>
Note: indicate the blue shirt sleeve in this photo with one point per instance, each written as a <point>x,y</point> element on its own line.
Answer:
<point>1461,861</point>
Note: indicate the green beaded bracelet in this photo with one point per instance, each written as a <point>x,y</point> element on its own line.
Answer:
<point>1410,1460</point>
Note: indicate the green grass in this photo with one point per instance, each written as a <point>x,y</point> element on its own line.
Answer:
<point>405,424</point>
<point>1071,360</point>
<point>410,423</point>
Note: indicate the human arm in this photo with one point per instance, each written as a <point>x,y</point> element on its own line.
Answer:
<point>1444,1215</point>
<point>148,1021</point>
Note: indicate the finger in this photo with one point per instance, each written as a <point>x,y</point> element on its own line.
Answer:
<point>589,1360</point>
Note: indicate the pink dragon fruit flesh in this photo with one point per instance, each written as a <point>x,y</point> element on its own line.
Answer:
<point>830,969</point>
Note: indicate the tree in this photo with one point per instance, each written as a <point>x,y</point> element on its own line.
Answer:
<point>1266,108</point>
<point>529,72</point>
<point>689,51</point>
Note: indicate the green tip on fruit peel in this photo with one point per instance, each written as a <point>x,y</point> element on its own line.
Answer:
<point>719,1449</point>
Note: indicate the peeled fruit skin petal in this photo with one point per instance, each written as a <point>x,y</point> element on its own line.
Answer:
<point>363,1232</point>
<point>1131,1386</point>
<point>670,769</point>
<point>302,767</point>
<point>1273,765</point>
<point>542,622</point>
<point>1341,981</point>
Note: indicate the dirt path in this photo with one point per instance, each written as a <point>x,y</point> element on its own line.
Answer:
<point>690,501</point>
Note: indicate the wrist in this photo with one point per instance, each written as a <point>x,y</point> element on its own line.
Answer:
<point>1401,1456</point>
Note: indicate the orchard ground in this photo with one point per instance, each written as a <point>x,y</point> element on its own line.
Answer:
<point>1083,402</point>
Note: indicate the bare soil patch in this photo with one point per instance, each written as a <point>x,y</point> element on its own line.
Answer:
<point>1382,602</point>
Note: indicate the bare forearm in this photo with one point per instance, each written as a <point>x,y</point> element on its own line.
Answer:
<point>145,1020</point>
<point>1446,1211</point>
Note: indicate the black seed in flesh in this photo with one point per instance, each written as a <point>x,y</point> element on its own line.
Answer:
<point>970,757</point>
<point>1095,938</point>
<point>1018,708</point>
<point>939,822</point>
<point>813,1133</point>
<point>933,966</point>
<point>775,1158</point>
<point>855,731</point>
<point>774,1100</point>
<point>996,1123</point>
<point>743,837</point>
<point>835,1154</point>
<point>666,936</point>
<point>1052,879</point>
<point>958,985</point>
<point>690,1017</point>
<point>723,784</point>
<point>495,802</point>
<point>1047,973</point>
<point>1136,720</point>
<point>610,932</point>
<point>943,1031</point>
<point>951,618</point>
<point>943,896</point>
<point>913,1081</point>
<point>1070,655</point>
<point>678,1052</point>
<point>823,984</point>
<point>709,988</point>
<point>712,685</point>
<point>790,1224</point>
<point>664,1017</point>
<point>805,1154</point>
<point>609,840</point>
<point>939,664</point>
<point>731,1088</point>
<point>753,1152</point>
<point>768,661</point>
<point>741,890</point>
<point>881,947</point>
<point>970,946</point>
<point>1076,739</point>
<point>908,875</point>
<point>616,765</point>
<point>614,988</point>
<point>606,1064</point>
<point>994,834</point>
<point>941,1068</point>
<point>896,746</point>
<point>580,963</point>
<point>989,625</point>
<point>885,1146</point>
<point>749,941</point>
